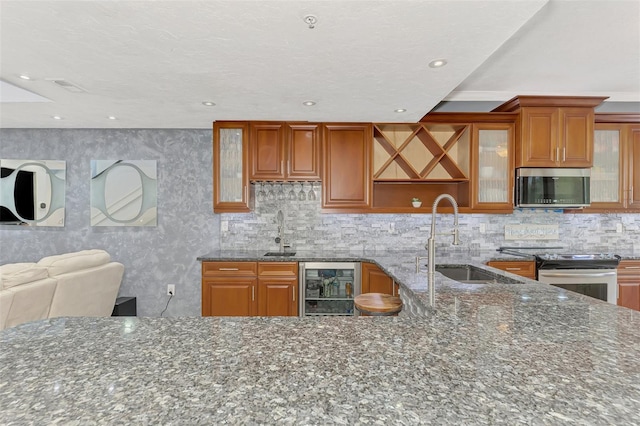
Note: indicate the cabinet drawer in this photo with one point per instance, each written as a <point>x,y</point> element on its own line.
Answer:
<point>229,269</point>
<point>629,269</point>
<point>523,268</point>
<point>280,269</point>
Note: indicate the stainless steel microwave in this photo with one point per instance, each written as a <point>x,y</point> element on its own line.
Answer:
<point>552,187</point>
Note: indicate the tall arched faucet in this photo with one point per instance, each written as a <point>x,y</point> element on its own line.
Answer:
<point>431,244</point>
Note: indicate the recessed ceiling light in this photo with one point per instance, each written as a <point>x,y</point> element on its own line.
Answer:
<point>112,117</point>
<point>25,77</point>
<point>400,110</point>
<point>438,63</point>
<point>308,103</point>
<point>208,103</point>
<point>56,117</point>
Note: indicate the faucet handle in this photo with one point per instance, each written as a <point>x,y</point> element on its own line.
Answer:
<point>456,239</point>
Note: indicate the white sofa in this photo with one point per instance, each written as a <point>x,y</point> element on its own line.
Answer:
<point>83,283</point>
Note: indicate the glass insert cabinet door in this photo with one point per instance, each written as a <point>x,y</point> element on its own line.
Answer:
<point>606,182</point>
<point>494,183</point>
<point>231,158</point>
<point>328,289</point>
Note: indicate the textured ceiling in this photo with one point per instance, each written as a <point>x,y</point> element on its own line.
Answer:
<point>151,64</point>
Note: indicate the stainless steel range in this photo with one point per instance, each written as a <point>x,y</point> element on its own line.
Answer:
<point>593,275</point>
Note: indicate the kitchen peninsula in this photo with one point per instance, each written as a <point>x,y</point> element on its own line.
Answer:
<point>487,354</point>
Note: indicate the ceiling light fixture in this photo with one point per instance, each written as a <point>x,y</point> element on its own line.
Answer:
<point>308,103</point>
<point>24,77</point>
<point>112,117</point>
<point>208,103</point>
<point>438,63</point>
<point>399,110</point>
<point>56,117</point>
<point>311,21</point>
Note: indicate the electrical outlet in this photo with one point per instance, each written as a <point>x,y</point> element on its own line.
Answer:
<point>224,226</point>
<point>171,289</point>
<point>483,228</point>
<point>619,228</point>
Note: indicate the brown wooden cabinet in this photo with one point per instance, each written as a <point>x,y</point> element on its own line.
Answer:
<point>375,280</point>
<point>277,289</point>
<point>249,288</point>
<point>229,288</point>
<point>230,163</point>
<point>525,268</point>
<point>346,184</point>
<point>553,131</point>
<point>284,151</point>
<point>629,284</point>
<point>266,151</point>
<point>616,162</point>
<point>633,169</point>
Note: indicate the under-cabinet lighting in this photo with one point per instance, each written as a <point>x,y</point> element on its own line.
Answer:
<point>438,63</point>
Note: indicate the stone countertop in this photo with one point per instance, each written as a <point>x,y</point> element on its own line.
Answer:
<point>485,354</point>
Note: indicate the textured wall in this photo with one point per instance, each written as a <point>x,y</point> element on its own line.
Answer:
<point>187,227</point>
<point>153,256</point>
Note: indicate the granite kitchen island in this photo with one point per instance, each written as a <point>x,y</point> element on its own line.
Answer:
<point>486,354</point>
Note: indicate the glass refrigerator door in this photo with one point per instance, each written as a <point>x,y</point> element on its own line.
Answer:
<point>329,289</point>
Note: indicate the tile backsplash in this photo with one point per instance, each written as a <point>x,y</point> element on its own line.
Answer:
<point>306,228</point>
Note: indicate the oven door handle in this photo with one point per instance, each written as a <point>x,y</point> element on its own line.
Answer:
<point>575,275</point>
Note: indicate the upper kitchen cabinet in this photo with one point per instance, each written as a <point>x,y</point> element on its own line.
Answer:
<point>284,151</point>
<point>346,184</point>
<point>266,151</point>
<point>303,151</point>
<point>616,160</point>
<point>553,131</point>
<point>493,166</point>
<point>230,162</point>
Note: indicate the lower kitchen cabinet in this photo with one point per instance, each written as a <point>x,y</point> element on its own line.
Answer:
<point>229,297</point>
<point>277,289</point>
<point>249,288</point>
<point>375,280</point>
<point>524,268</point>
<point>629,284</point>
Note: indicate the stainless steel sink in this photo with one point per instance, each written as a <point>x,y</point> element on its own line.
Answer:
<point>469,274</point>
<point>277,253</point>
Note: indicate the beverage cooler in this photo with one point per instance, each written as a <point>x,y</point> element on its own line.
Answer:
<point>328,289</point>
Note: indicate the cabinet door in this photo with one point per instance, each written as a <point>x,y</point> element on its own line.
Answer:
<point>230,162</point>
<point>277,297</point>
<point>347,166</point>
<point>576,139</point>
<point>634,167</point>
<point>629,284</point>
<point>229,297</point>
<point>629,295</point>
<point>493,166</point>
<point>607,173</point>
<point>303,152</point>
<point>539,137</point>
<point>374,280</point>
<point>266,147</point>
<point>525,269</point>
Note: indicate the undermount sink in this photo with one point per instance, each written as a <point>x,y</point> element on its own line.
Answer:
<point>470,274</point>
<point>277,253</point>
